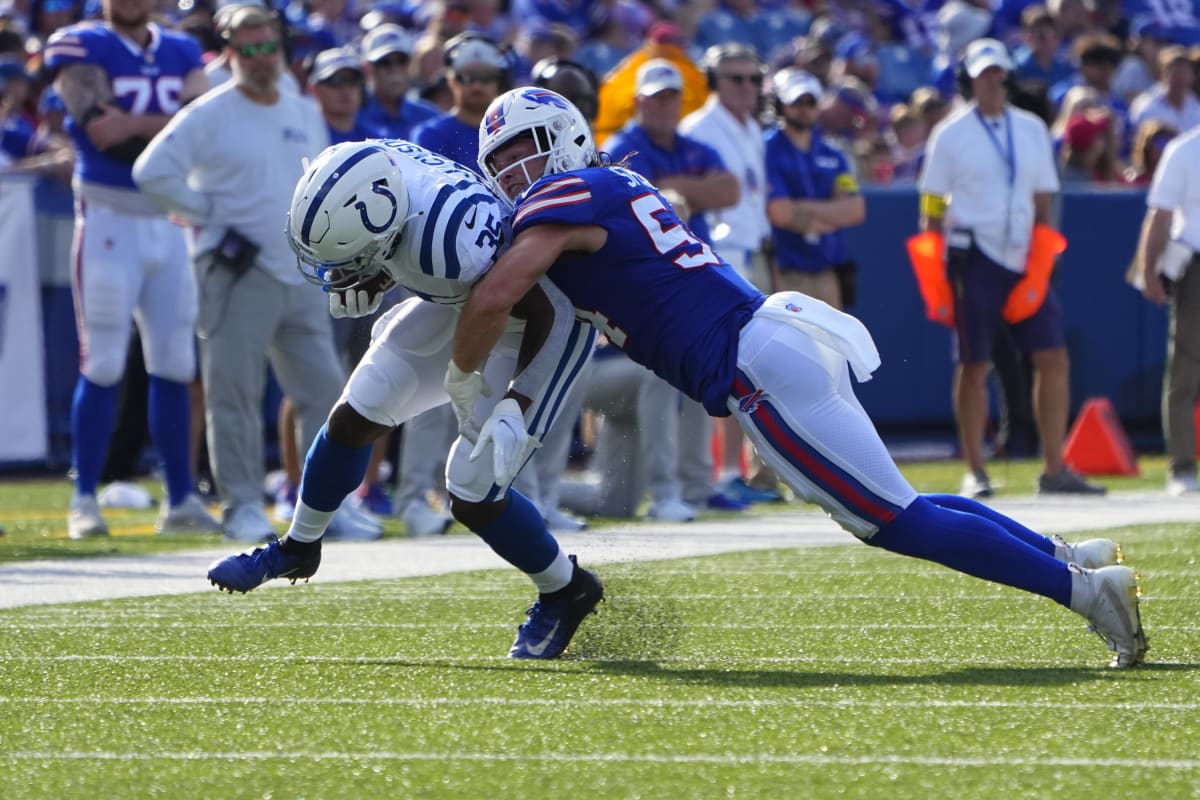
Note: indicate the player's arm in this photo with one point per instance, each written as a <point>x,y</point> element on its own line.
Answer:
<point>195,83</point>
<point>715,189</point>
<point>531,255</point>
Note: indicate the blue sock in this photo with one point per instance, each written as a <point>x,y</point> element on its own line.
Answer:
<point>957,502</point>
<point>93,414</point>
<point>975,545</point>
<point>171,429</point>
<point>331,471</point>
<point>519,536</point>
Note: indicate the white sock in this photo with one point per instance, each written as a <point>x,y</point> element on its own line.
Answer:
<point>554,577</point>
<point>308,524</point>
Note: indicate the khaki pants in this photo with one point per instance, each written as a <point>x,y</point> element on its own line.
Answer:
<point>822,285</point>
<point>1181,384</point>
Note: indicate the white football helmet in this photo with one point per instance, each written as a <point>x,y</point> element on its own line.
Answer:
<point>558,128</point>
<point>347,214</point>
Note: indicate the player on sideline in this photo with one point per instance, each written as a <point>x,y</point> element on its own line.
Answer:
<point>369,215</point>
<point>121,80</point>
<point>778,364</point>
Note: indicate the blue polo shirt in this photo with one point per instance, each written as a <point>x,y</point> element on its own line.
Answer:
<point>411,114</point>
<point>447,136</point>
<point>687,157</point>
<point>816,174</point>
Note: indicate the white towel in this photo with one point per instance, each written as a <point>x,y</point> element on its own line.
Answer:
<point>841,332</point>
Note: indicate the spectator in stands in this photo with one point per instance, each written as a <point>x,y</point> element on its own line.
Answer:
<point>387,53</point>
<point>929,104</point>
<point>616,31</point>
<point>1172,99</point>
<point>855,58</point>
<point>663,40</point>
<point>337,84</point>
<point>849,118</point>
<point>1148,145</point>
<point>571,79</point>
<point>1098,55</point>
<point>130,262</point>
<point>1040,57</point>
<point>1073,18</point>
<point>1171,233</point>
<point>1089,149</point>
<point>538,41</point>
<point>812,197</point>
<point>907,136</point>
<point>1138,69</point>
<point>227,164</point>
<point>989,178</point>
<point>749,23</point>
<point>1077,100</point>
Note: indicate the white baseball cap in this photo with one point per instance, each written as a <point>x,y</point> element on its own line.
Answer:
<point>792,84</point>
<point>384,40</point>
<point>984,53</point>
<point>658,75</point>
<point>330,62</point>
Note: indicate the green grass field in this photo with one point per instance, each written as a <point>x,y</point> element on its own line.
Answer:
<point>818,672</point>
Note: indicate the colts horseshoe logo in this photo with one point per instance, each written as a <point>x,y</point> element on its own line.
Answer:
<point>378,187</point>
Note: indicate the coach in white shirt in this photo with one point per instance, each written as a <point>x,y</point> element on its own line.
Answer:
<point>1173,215</point>
<point>728,123</point>
<point>988,178</point>
<point>228,164</point>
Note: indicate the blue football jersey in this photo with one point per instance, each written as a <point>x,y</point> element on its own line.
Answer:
<point>145,81</point>
<point>658,292</point>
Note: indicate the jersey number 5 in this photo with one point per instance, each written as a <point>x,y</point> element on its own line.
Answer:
<point>669,237</point>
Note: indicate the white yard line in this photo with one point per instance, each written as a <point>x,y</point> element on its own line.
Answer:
<point>77,580</point>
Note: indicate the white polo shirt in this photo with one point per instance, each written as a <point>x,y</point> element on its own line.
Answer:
<point>989,170</point>
<point>742,148</point>
<point>1152,104</point>
<point>1176,188</point>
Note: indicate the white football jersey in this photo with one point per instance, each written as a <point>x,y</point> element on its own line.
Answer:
<point>455,230</point>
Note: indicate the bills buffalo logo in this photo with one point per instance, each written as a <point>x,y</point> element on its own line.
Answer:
<point>795,309</point>
<point>749,403</point>
<point>495,118</point>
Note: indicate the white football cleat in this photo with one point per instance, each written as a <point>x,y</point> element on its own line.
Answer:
<point>421,520</point>
<point>190,516</point>
<point>1092,553</point>
<point>351,524</point>
<point>84,520</point>
<point>1108,598</point>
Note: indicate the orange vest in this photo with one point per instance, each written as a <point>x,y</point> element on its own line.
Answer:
<point>617,89</point>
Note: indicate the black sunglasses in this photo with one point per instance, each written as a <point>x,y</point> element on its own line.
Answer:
<point>267,48</point>
<point>482,77</point>
<point>343,78</point>
<point>755,79</point>
<point>394,60</point>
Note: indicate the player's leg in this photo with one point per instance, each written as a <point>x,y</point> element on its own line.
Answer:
<point>105,280</point>
<point>311,375</point>
<point>812,429</point>
<point>512,525</point>
<point>166,315</point>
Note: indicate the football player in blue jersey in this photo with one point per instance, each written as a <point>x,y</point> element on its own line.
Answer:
<point>780,365</point>
<point>121,80</point>
<point>365,217</point>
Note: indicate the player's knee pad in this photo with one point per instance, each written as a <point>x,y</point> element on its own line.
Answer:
<point>104,366</point>
<point>173,360</point>
<point>472,481</point>
<point>382,388</point>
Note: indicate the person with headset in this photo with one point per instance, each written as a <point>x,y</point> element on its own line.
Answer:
<point>987,183</point>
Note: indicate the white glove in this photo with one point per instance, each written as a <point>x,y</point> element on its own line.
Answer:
<point>465,389</point>
<point>354,303</point>
<point>511,443</point>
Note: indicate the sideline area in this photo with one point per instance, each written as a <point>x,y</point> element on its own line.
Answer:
<point>79,580</point>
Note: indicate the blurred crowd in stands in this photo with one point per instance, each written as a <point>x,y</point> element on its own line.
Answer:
<point>1114,79</point>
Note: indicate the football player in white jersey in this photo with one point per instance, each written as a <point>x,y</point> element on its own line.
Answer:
<point>365,217</point>
<point>121,80</point>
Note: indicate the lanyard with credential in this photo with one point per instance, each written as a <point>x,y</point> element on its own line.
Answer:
<point>1010,155</point>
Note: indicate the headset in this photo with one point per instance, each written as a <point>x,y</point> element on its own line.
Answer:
<point>963,81</point>
<point>546,70</point>
<point>508,71</point>
<point>730,51</point>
